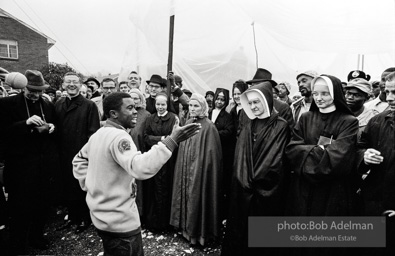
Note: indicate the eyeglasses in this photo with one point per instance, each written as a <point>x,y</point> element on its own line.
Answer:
<point>155,86</point>
<point>72,82</point>
<point>108,88</point>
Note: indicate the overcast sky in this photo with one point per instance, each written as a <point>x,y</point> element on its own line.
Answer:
<point>91,35</point>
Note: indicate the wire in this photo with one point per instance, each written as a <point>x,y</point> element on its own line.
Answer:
<point>71,63</point>
<point>86,69</point>
<point>256,50</point>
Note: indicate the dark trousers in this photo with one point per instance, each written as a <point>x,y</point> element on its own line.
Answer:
<point>28,210</point>
<point>122,244</point>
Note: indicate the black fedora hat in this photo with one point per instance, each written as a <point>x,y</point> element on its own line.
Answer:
<point>156,79</point>
<point>93,80</point>
<point>35,80</point>
<point>262,75</point>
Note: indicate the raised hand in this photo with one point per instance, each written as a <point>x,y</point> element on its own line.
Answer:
<point>181,133</point>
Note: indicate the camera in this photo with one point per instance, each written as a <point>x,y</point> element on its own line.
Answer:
<point>42,129</point>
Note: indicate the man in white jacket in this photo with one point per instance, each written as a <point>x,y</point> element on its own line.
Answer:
<point>107,167</point>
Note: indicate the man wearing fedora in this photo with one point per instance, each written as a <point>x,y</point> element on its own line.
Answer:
<point>94,85</point>
<point>302,105</point>
<point>30,157</point>
<point>263,75</point>
<point>155,85</point>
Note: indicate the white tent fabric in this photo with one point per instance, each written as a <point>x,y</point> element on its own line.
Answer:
<point>214,40</point>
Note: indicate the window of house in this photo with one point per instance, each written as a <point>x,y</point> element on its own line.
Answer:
<point>8,49</point>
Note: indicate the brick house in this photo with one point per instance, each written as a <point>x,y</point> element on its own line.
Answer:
<point>22,47</point>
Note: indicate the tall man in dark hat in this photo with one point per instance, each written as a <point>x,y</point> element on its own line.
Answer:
<point>156,85</point>
<point>303,104</point>
<point>78,119</point>
<point>27,124</point>
<point>283,109</point>
<point>94,85</point>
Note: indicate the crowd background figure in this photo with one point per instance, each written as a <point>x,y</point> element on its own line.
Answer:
<point>327,150</point>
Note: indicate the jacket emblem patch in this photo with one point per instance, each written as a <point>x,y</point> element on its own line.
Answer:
<point>123,145</point>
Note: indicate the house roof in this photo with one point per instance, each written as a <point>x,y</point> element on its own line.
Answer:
<point>50,41</point>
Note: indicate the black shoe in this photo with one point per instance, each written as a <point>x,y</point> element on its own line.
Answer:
<point>39,243</point>
<point>67,224</point>
<point>84,225</point>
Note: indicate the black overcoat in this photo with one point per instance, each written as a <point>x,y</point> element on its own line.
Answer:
<point>77,121</point>
<point>29,157</point>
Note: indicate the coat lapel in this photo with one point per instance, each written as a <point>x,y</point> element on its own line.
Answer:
<point>74,103</point>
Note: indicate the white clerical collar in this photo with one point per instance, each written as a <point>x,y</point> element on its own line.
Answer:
<point>163,113</point>
<point>328,109</point>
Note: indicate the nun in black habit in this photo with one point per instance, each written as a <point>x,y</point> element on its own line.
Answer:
<point>258,169</point>
<point>322,152</point>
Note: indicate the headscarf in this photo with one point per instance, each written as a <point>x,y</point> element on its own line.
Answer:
<point>336,91</point>
<point>226,95</point>
<point>143,104</point>
<point>203,103</point>
<point>265,94</point>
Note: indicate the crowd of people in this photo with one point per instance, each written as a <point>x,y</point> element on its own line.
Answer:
<point>126,155</point>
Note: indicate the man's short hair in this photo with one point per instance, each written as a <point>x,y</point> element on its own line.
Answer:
<point>135,72</point>
<point>390,77</point>
<point>72,74</point>
<point>107,79</point>
<point>123,82</point>
<point>392,69</point>
<point>114,101</point>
